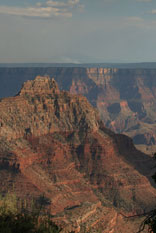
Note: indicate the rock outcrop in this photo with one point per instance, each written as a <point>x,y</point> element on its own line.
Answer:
<point>125,98</point>
<point>54,142</point>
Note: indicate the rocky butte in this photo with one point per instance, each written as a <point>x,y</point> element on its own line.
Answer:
<point>54,142</point>
<point>124,97</point>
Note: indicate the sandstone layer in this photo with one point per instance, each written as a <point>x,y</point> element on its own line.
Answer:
<point>55,143</point>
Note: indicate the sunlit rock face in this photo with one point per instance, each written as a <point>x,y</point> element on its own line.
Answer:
<point>125,98</point>
<point>54,142</point>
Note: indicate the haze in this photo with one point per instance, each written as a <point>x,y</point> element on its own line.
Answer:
<point>77,31</point>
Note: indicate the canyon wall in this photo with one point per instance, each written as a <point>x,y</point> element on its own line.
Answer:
<point>54,143</point>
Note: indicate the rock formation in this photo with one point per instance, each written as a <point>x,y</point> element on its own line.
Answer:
<point>54,142</point>
<point>125,98</point>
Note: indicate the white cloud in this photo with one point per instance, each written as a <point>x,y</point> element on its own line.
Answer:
<point>56,4</point>
<point>69,3</point>
<point>73,2</point>
<point>135,19</point>
<point>44,10</point>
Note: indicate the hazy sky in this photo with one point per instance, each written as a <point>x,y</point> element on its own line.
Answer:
<point>77,31</point>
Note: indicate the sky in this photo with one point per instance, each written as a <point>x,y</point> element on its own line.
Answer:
<point>77,31</point>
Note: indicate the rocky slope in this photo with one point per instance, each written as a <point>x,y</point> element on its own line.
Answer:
<point>125,98</point>
<point>53,142</point>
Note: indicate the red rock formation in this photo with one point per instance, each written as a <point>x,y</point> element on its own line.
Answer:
<point>54,143</point>
<point>105,88</point>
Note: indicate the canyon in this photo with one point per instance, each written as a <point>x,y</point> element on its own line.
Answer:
<point>55,143</point>
<point>125,98</point>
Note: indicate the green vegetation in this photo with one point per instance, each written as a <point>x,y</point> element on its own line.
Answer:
<point>15,220</point>
<point>8,204</point>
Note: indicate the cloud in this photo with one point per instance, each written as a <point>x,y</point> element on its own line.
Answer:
<point>69,3</point>
<point>42,12</point>
<point>135,22</point>
<point>56,4</point>
<point>69,60</point>
<point>144,0</point>
<point>47,10</point>
<point>38,4</point>
<point>140,23</point>
<point>153,12</point>
<point>73,2</point>
<point>134,19</point>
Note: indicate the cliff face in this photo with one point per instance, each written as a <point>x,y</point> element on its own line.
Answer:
<point>125,98</point>
<point>53,142</point>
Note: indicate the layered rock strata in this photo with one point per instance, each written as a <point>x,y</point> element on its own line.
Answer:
<point>125,98</point>
<point>54,142</point>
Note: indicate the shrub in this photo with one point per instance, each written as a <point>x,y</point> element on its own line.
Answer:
<point>13,220</point>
